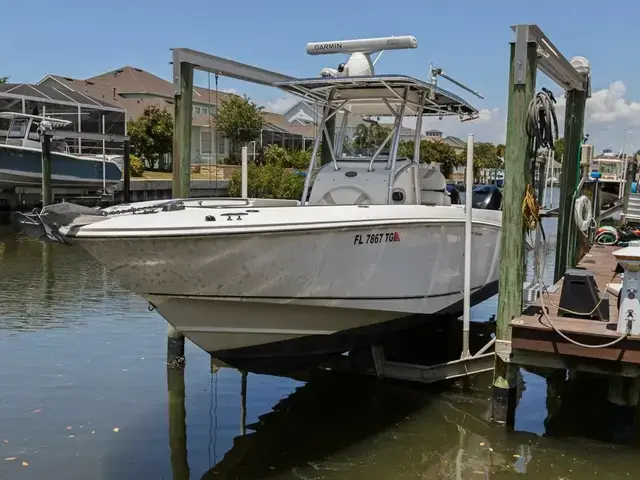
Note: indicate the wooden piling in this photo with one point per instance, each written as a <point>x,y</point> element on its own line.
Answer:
<point>182,133</point>
<point>175,347</point>
<point>47,194</point>
<point>127,172</point>
<point>573,134</point>
<point>177,420</point>
<point>512,273</point>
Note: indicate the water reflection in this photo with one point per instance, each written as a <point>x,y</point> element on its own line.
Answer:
<point>50,286</point>
<point>177,421</point>
<point>341,427</point>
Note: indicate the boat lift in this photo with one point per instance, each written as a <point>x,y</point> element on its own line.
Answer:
<point>403,92</point>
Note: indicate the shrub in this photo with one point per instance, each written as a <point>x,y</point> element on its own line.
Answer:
<point>299,159</point>
<point>136,166</point>
<point>275,155</point>
<point>268,181</point>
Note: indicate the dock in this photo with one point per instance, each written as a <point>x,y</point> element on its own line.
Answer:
<point>141,189</point>
<point>534,341</point>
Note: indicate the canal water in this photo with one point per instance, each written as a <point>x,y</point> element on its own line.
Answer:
<point>84,395</point>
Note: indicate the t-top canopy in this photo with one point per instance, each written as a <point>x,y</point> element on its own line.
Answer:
<point>373,95</point>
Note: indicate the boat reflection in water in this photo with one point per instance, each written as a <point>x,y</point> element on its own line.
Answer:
<point>338,426</point>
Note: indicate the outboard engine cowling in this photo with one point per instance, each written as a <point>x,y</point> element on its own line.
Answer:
<point>488,197</point>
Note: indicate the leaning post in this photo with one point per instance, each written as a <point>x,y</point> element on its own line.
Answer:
<point>522,79</point>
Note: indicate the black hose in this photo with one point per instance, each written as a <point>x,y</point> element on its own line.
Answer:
<point>542,123</point>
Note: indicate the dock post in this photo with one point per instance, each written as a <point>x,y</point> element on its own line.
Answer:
<point>517,173</point>
<point>570,176</point>
<point>127,171</point>
<point>182,133</point>
<point>47,195</point>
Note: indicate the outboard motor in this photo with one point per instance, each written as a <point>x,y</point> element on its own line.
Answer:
<point>454,193</point>
<point>488,197</point>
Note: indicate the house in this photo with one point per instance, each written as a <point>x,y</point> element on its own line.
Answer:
<point>134,89</point>
<point>433,134</point>
<point>303,112</point>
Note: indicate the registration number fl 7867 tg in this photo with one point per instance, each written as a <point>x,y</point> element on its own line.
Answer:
<point>368,238</point>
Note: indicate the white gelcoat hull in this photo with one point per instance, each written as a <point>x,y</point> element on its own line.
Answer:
<point>234,291</point>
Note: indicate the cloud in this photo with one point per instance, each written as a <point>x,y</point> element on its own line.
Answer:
<point>607,115</point>
<point>281,104</point>
<point>230,90</point>
<point>608,106</point>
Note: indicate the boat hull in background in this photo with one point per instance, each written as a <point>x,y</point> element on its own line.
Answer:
<point>22,167</point>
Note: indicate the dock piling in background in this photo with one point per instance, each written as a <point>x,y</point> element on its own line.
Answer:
<point>127,171</point>
<point>47,195</point>
<point>512,274</point>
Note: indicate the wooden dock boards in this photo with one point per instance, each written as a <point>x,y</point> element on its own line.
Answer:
<point>532,333</point>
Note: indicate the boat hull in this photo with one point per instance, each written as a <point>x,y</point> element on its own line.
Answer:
<point>246,296</point>
<point>22,167</point>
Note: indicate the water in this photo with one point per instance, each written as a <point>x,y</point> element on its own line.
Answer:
<point>85,395</point>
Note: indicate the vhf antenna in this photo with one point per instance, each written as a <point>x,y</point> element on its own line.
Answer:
<point>435,72</point>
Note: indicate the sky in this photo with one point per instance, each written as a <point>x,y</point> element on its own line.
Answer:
<point>468,39</point>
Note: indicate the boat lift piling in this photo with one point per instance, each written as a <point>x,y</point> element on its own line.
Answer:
<point>185,61</point>
<point>532,51</point>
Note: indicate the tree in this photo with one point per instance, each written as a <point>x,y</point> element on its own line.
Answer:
<point>432,151</point>
<point>558,146</point>
<point>370,137</point>
<point>151,135</point>
<point>4,80</point>
<point>240,120</point>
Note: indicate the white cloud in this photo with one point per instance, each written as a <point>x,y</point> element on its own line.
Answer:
<point>607,115</point>
<point>282,104</point>
<point>230,90</point>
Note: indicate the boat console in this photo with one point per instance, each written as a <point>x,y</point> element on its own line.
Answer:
<point>375,174</point>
